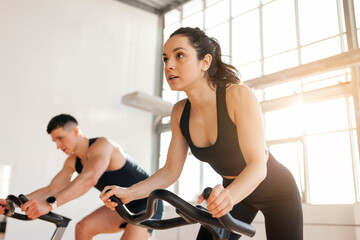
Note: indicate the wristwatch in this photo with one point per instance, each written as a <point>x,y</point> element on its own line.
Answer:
<point>52,201</point>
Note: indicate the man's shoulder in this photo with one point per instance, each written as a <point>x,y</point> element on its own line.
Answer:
<point>71,158</point>
<point>70,161</point>
<point>101,142</point>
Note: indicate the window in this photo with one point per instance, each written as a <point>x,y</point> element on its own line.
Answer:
<point>314,28</point>
<point>246,38</point>
<point>196,20</point>
<point>320,50</point>
<point>290,154</point>
<point>330,168</point>
<point>280,62</point>
<point>309,121</point>
<point>165,139</point>
<point>221,33</point>
<point>325,80</point>
<point>322,128</point>
<point>326,116</point>
<point>240,7</point>
<point>284,123</point>
<point>192,7</point>
<point>357,15</point>
<point>189,184</point>
<point>279,27</point>
<point>220,10</point>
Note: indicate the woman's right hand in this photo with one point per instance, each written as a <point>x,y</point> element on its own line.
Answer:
<point>121,193</point>
<point>3,206</point>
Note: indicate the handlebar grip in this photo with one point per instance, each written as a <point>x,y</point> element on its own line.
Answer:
<point>206,193</point>
<point>23,199</point>
<point>113,198</point>
<point>229,222</point>
<point>11,201</point>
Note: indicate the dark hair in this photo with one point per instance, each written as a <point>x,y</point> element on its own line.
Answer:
<point>219,72</point>
<point>60,121</point>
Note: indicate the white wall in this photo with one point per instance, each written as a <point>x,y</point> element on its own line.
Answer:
<point>76,57</point>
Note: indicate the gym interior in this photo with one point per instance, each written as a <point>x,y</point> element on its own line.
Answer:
<point>101,61</point>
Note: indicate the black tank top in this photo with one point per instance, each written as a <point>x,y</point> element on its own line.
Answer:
<point>224,156</point>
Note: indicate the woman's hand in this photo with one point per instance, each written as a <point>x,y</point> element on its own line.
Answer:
<point>122,193</point>
<point>219,202</point>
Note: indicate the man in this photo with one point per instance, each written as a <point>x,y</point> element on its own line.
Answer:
<point>99,163</point>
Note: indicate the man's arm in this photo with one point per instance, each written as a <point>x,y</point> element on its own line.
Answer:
<point>57,183</point>
<point>61,179</point>
<point>98,161</point>
<point>96,165</point>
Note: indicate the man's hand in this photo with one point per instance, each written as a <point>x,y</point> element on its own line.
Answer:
<point>35,209</point>
<point>3,206</point>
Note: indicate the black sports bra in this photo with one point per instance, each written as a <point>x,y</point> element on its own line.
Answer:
<point>224,156</point>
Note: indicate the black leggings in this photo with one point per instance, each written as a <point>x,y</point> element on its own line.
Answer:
<point>277,197</point>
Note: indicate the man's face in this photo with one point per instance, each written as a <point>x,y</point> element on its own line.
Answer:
<point>65,139</point>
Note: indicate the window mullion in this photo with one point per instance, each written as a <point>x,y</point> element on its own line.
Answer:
<point>355,163</point>
<point>306,194</point>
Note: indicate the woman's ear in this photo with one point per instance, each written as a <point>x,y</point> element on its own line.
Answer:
<point>206,62</point>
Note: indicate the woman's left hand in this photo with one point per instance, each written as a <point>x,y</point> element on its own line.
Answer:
<point>219,202</point>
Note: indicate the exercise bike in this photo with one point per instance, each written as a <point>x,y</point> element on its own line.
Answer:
<point>220,228</point>
<point>60,222</point>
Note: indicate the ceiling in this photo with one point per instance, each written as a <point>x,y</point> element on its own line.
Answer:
<point>155,6</point>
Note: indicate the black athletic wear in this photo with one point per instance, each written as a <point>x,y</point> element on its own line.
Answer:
<point>277,197</point>
<point>224,156</point>
<point>126,176</point>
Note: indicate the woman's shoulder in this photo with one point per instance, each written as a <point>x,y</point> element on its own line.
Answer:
<point>178,107</point>
<point>238,90</point>
<point>240,94</point>
<point>176,112</point>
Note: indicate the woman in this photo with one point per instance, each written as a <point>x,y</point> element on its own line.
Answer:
<point>221,123</point>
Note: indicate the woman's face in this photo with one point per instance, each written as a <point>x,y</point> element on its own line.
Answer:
<point>182,67</point>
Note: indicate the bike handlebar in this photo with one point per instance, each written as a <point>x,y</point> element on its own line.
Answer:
<point>13,200</point>
<point>189,214</point>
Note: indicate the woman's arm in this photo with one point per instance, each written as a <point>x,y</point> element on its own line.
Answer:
<point>165,176</point>
<point>244,110</point>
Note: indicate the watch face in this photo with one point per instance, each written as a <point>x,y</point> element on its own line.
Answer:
<point>51,199</point>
